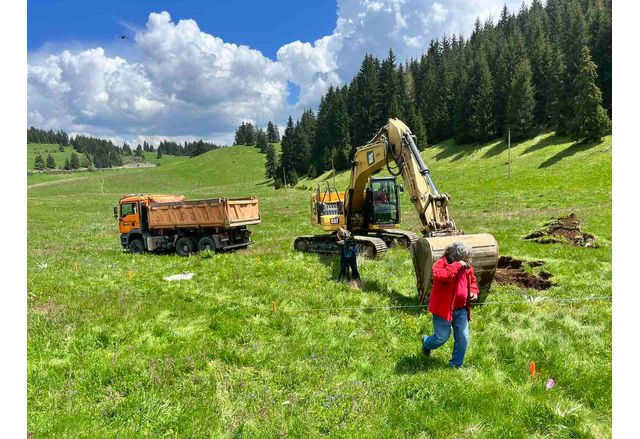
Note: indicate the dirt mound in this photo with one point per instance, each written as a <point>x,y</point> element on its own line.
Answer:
<point>563,230</point>
<point>511,271</point>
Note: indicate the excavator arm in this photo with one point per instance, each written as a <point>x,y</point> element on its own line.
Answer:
<point>394,147</point>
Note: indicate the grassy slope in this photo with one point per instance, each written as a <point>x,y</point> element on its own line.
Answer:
<point>45,149</point>
<point>60,156</point>
<point>113,349</point>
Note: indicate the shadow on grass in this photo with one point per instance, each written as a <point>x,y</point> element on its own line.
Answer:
<point>543,143</point>
<point>377,287</point>
<point>497,148</point>
<point>418,363</point>
<point>396,298</point>
<point>452,150</point>
<point>333,262</point>
<point>268,182</point>
<point>568,152</point>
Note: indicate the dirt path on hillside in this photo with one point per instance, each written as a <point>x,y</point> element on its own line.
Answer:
<point>49,183</point>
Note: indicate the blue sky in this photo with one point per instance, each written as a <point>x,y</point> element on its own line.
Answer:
<point>263,25</point>
<point>197,69</point>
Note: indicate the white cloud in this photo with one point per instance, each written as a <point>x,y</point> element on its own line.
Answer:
<point>181,82</point>
<point>438,13</point>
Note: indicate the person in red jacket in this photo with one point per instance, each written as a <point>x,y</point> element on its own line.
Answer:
<point>454,287</point>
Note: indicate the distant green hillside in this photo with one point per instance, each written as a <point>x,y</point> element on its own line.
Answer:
<point>236,164</point>
<point>60,156</point>
<point>44,150</point>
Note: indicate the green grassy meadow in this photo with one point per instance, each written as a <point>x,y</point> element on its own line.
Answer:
<point>116,351</point>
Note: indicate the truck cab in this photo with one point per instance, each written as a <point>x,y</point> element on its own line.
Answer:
<point>132,215</point>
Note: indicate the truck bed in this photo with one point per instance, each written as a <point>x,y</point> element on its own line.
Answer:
<point>215,212</point>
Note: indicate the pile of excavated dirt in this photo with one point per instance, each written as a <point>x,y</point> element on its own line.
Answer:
<point>563,230</point>
<point>511,271</point>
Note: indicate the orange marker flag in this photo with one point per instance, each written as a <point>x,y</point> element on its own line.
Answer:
<point>532,369</point>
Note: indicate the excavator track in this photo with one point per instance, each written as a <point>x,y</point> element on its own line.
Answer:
<point>368,246</point>
<point>393,237</point>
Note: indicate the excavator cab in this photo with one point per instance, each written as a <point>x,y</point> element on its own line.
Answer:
<point>382,201</point>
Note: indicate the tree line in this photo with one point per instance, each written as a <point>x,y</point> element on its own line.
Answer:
<point>189,149</point>
<point>75,161</point>
<point>546,67</point>
<point>35,135</point>
<point>248,134</point>
<point>92,152</point>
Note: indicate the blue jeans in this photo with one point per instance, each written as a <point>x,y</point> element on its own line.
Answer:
<point>442,331</point>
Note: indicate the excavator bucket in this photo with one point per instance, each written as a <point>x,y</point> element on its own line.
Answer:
<point>426,251</point>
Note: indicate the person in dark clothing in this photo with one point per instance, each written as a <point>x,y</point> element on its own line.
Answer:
<point>348,255</point>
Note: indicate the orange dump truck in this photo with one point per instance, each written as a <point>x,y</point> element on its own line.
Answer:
<point>150,222</point>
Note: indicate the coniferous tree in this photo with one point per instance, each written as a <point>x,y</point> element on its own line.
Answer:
<point>74,161</point>
<point>305,137</point>
<point>39,163</point>
<point>287,155</point>
<point>462,110</point>
<point>481,100</point>
<point>271,163</point>
<point>390,91</point>
<point>521,105</point>
<point>239,135</point>
<point>601,44</point>
<point>159,153</point>
<point>250,134</point>
<point>273,136</point>
<point>114,159</point>
<point>552,88</point>
<point>292,178</point>
<point>410,113</point>
<point>340,126</point>
<point>574,39</point>
<point>67,166</point>
<point>539,54</point>
<point>366,116</point>
<point>126,149</point>
<point>51,162</point>
<point>591,118</point>
<point>261,140</point>
<point>139,150</point>
<point>87,160</point>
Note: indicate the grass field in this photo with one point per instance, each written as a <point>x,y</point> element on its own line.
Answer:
<point>115,351</point>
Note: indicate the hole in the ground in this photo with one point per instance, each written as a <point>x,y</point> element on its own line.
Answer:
<point>510,271</point>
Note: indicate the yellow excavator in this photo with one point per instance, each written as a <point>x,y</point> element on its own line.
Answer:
<point>370,209</point>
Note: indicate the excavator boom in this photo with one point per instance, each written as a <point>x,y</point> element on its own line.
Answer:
<point>394,147</point>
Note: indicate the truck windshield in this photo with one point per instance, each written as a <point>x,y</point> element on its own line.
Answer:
<point>127,209</point>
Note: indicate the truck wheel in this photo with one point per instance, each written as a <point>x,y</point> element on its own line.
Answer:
<point>136,246</point>
<point>185,246</point>
<point>206,243</point>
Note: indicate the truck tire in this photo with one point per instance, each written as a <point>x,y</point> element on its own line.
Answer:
<point>185,246</point>
<point>206,243</point>
<point>136,246</point>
